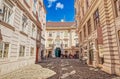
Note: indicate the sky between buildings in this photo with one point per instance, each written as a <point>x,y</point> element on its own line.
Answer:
<point>60,10</point>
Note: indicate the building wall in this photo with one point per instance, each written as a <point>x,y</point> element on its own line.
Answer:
<point>69,40</point>
<point>108,47</point>
<point>13,34</point>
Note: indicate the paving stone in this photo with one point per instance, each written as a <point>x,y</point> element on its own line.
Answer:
<point>64,69</point>
<point>72,72</point>
<point>91,68</point>
<point>65,75</point>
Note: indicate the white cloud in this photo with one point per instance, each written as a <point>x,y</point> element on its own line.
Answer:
<point>59,5</point>
<point>50,2</point>
<point>62,20</point>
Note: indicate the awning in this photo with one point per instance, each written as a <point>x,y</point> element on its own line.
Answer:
<point>0,36</point>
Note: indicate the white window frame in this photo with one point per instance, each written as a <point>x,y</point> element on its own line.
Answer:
<point>7,18</point>
<point>3,49</point>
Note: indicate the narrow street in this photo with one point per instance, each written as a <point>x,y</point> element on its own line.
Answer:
<point>59,69</point>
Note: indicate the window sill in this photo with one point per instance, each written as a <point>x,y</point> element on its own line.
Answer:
<point>23,33</point>
<point>33,38</point>
<point>7,25</point>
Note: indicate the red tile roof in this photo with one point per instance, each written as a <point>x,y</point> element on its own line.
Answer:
<point>60,24</point>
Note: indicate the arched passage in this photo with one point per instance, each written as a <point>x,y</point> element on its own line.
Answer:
<point>57,52</point>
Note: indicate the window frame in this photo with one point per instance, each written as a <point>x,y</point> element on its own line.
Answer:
<point>96,19</point>
<point>3,50</point>
<point>89,26</point>
<point>23,51</point>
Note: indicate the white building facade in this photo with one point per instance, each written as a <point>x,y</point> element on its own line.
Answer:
<point>20,27</point>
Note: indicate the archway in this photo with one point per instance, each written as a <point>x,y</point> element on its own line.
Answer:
<point>57,52</point>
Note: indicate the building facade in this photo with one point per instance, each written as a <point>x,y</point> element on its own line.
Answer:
<point>61,36</point>
<point>20,35</point>
<point>98,26</point>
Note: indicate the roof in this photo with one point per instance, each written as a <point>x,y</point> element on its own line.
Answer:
<point>60,24</point>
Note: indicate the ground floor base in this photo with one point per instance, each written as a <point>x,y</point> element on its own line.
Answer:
<point>10,66</point>
<point>66,53</point>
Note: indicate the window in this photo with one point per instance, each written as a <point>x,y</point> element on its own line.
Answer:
<point>24,23</point>
<point>58,34</point>
<point>27,1</point>
<point>38,34</point>
<point>66,34</point>
<point>4,50</point>
<point>32,51</point>
<point>117,7</point>
<point>22,51</point>
<point>96,19</point>
<point>33,30</point>
<point>80,36</point>
<point>49,43</point>
<point>87,3</point>
<point>89,27</point>
<point>50,34</point>
<point>77,44</point>
<point>66,43</point>
<point>84,28</point>
<point>34,6</point>
<point>83,11</point>
<point>119,35</point>
<point>39,12</point>
<point>7,13</point>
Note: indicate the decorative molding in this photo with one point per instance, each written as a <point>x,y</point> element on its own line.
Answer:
<point>7,25</point>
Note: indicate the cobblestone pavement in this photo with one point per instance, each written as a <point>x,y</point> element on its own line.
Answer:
<point>30,72</point>
<point>59,69</point>
<point>73,69</point>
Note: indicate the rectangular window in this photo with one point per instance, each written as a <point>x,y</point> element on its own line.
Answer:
<point>34,6</point>
<point>24,23</point>
<point>83,11</point>
<point>4,50</point>
<point>89,26</point>
<point>58,34</point>
<point>117,7</point>
<point>66,34</point>
<point>50,34</point>
<point>7,13</point>
<point>32,51</point>
<point>27,1</point>
<point>87,3</point>
<point>80,36</point>
<point>22,51</point>
<point>119,35</point>
<point>33,30</point>
<point>96,19</point>
<point>84,28</point>
<point>39,13</point>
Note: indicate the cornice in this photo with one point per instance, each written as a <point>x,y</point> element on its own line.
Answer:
<point>88,12</point>
<point>21,6</point>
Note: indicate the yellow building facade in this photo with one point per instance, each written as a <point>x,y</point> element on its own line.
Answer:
<point>62,36</point>
<point>98,28</point>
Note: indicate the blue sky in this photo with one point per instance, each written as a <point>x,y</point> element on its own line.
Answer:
<point>58,10</point>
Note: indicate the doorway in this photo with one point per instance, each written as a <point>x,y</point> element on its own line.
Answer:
<point>57,52</point>
<point>91,57</point>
